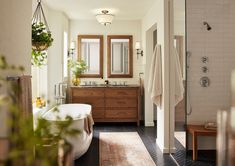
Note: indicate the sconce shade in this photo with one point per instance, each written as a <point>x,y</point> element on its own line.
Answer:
<point>137,45</point>
<point>105,18</point>
<point>72,45</point>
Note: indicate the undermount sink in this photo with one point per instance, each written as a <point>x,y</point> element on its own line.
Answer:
<point>118,85</point>
<point>104,85</point>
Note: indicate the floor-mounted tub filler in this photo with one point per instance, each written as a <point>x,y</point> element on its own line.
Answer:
<point>82,120</point>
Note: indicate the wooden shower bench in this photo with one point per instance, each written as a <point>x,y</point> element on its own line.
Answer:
<point>199,130</point>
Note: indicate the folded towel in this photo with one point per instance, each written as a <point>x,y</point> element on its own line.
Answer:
<point>88,123</point>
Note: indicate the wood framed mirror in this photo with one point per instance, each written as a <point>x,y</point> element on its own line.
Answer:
<point>90,49</point>
<point>120,56</point>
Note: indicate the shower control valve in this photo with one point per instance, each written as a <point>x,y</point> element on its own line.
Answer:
<point>204,69</point>
<point>205,59</point>
<point>205,82</point>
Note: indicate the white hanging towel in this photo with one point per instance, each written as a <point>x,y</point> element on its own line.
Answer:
<point>179,86</point>
<point>155,77</point>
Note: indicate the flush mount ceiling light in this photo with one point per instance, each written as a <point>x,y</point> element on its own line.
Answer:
<point>105,18</point>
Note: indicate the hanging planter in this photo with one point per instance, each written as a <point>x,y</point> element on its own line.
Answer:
<point>41,39</point>
<point>41,35</point>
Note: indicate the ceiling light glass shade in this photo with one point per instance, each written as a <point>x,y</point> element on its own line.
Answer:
<point>105,18</point>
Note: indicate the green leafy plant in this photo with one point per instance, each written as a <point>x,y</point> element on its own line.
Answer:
<point>41,38</point>
<point>38,58</point>
<point>29,146</point>
<point>77,67</point>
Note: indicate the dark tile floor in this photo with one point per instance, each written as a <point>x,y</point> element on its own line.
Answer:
<point>183,158</point>
<point>148,136</point>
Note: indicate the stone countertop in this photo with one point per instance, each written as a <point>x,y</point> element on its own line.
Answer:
<point>106,86</point>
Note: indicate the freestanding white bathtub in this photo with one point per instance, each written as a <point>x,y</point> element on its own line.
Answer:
<point>78,112</point>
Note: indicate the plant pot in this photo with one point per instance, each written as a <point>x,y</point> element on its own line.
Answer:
<point>76,81</point>
<point>38,46</point>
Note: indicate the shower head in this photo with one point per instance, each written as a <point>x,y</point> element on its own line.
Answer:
<point>208,27</point>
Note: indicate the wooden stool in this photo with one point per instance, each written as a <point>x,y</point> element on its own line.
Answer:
<point>199,130</point>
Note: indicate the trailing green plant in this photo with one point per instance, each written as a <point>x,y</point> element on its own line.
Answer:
<point>27,145</point>
<point>38,58</point>
<point>41,38</point>
<point>77,67</point>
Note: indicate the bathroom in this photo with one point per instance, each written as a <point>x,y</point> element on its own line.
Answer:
<point>203,33</point>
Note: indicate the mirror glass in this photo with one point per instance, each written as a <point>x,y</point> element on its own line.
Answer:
<point>120,50</point>
<point>90,49</point>
<point>181,107</point>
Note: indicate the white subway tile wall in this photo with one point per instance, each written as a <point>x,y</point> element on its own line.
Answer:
<point>218,45</point>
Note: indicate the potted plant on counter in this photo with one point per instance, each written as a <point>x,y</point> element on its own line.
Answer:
<point>77,67</point>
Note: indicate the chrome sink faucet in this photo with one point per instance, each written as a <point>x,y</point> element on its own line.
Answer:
<point>106,82</point>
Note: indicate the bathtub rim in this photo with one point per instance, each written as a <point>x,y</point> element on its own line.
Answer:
<point>73,104</point>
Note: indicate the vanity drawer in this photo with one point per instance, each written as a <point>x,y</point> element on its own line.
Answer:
<point>120,92</point>
<point>121,102</point>
<point>94,102</point>
<point>98,113</point>
<point>91,92</point>
<point>123,113</point>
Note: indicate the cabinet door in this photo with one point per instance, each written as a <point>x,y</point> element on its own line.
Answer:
<point>118,102</point>
<point>93,101</point>
<point>88,92</point>
<point>124,113</point>
<point>121,92</point>
<point>98,113</point>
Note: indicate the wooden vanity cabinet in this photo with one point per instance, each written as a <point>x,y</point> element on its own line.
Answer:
<point>109,104</point>
<point>92,96</point>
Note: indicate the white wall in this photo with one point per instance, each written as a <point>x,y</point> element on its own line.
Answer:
<point>159,15</point>
<point>179,17</point>
<point>153,19</point>
<point>58,23</point>
<point>218,45</point>
<point>118,27</point>
<point>15,33</point>
<point>15,39</point>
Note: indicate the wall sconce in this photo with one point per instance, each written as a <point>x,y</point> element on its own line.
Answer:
<point>71,49</point>
<point>139,51</point>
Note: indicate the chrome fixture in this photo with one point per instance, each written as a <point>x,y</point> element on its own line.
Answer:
<point>205,59</point>
<point>105,18</point>
<point>60,93</point>
<point>72,49</point>
<point>205,81</point>
<point>106,82</point>
<point>208,27</point>
<point>138,49</point>
<point>204,69</point>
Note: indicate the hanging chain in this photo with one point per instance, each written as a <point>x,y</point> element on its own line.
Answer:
<point>39,15</point>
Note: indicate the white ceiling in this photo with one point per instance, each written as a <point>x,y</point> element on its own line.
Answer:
<point>87,9</point>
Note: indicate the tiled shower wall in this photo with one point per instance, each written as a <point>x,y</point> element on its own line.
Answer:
<point>218,45</point>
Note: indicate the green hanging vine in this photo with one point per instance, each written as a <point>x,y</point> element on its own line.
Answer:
<point>39,58</point>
